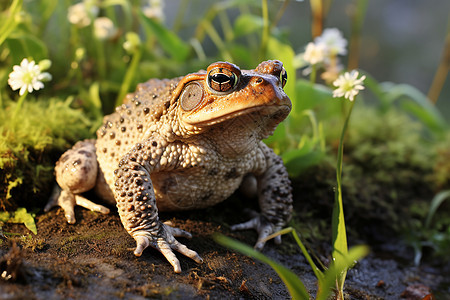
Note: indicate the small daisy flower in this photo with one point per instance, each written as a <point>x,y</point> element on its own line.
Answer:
<point>314,53</point>
<point>80,14</point>
<point>333,42</point>
<point>104,28</point>
<point>348,85</point>
<point>27,77</point>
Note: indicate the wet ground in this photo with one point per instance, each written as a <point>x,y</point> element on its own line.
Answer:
<point>93,259</point>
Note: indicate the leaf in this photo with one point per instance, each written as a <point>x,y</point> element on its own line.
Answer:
<point>26,45</point>
<point>316,270</point>
<point>310,96</point>
<point>339,233</point>
<point>9,22</point>
<point>20,216</point>
<point>246,24</point>
<point>315,97</point>
<point>293,283</point>
<point>284,52</point>
<point>336,269</point>
<point>417,103</point>
<point>435,203</point>
<point>169,41</point>
<point>298,160</point>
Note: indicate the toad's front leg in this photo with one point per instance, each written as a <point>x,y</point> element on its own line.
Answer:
<point>137,204</point>
<point>275,198</point>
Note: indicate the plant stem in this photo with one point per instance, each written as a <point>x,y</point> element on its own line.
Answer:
<point>10,22</point>
<point>218,41</point>
<point>279,15</point>
<point>442,71</point>
<point>101,60</point>
<point>317,17</point>
<point>312,76</point>
<point>181,12</point>
<point>19,104</point>
<point>355,38</point>
<point>265,32</point>
<point>129,76</point>
<point>340,248</point>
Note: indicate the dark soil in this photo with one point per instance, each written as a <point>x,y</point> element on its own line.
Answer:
<point>93,259</point>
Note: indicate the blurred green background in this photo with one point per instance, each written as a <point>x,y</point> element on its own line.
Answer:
<point>401,40</point>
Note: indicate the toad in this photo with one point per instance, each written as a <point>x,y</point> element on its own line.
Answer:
<point>184,143</point>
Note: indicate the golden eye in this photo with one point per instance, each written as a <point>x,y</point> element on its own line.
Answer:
<point>191,96</point>
<point>283,77</point>
<point>222,80</point>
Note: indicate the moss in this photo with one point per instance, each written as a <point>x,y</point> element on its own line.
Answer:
<point>32,242</point>
<point>387,170</point>
<point>29,144</point>
<point>441,168</point>
<point>387,166</point>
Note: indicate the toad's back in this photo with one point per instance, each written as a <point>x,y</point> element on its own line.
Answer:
<point>132,122</point>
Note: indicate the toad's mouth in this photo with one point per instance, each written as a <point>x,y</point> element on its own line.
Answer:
<point>276,113</point>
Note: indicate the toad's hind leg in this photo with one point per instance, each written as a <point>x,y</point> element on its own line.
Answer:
<point>76,172</point>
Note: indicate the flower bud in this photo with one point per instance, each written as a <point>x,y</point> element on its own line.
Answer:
<point>44,64</point>
<point>132,42</point>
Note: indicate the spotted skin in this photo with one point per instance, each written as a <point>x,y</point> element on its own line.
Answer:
<point>159,153</point>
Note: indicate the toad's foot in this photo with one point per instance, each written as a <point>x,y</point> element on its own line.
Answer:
<point>262,225</point>
<point>67,201</point>
<point>165,242</point>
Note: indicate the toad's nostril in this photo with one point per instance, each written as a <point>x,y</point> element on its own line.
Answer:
<point>259,80</point>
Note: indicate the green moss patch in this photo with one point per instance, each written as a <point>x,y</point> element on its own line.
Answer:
<point>30,143</point>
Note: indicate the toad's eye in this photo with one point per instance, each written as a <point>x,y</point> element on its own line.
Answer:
<point>222,80</point>
<point>283,77</point>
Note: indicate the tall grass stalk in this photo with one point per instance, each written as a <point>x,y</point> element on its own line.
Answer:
<point>356,29</point>
<point>339,234</point>
<point>129,76</point>
<point>317,17</point>
<point>10,22</point>
<point>265,31</point>
<point>442,71</point>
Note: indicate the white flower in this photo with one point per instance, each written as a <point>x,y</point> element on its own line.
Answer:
<point>154,9</point>
<point>104,28</point>
<point>80,14</point>
<point>27,76</point>
<point>333,41</point>
<point>348,85</point>
<point>314,53</point>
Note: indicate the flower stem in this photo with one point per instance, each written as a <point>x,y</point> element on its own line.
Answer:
<point>340,247</point>
<point>313,75</point>
<point>19,104</point>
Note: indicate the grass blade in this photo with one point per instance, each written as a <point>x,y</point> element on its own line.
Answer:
<point>295,286</point>
<point>435,203</point>
<point>168,40</point>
